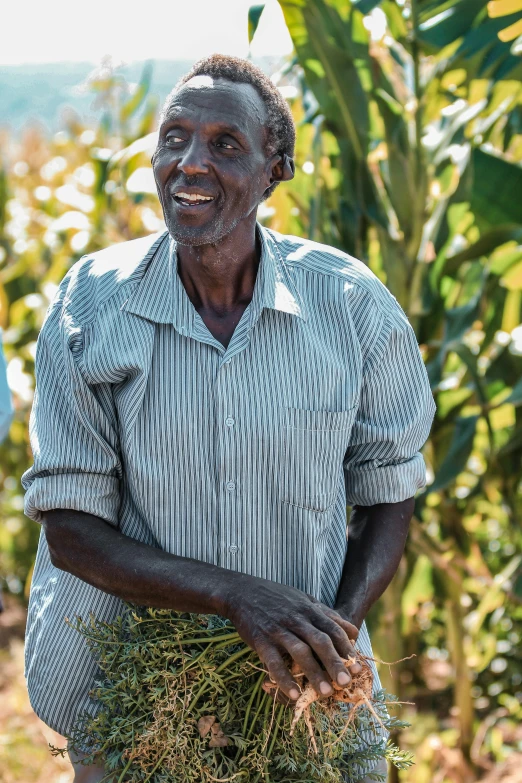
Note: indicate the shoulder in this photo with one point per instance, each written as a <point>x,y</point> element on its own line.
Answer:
<point>356,280</point>
<point>99,277</point>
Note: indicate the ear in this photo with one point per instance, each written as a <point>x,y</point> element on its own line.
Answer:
<point>283,168</point>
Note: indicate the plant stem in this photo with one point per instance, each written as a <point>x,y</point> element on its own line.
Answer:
<point>276,730</point>
<point>267,705</point>
<point>251,701</point>
<point>233,658</point>
<point>229,638</point>
<point>149,777</point>
<point>125,769</point>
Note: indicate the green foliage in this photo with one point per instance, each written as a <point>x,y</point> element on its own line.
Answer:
<point>163,672</point>
<point>59,198</point>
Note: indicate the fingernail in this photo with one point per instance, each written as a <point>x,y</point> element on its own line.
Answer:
<point>294,693</point>
<point>356,668</point>
<point>325,688</point>
<point>343,678</point>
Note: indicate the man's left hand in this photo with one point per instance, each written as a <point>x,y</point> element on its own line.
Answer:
<point>334,614</point>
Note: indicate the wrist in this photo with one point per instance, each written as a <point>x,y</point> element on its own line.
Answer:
<point>229,585</point>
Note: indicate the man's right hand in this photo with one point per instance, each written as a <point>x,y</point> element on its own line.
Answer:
<point>275,619</point>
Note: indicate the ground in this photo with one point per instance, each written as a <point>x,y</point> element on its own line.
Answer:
<point>24,751</point>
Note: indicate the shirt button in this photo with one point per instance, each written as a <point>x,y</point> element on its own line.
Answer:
<point>229,421</point>
<point>230,486</point>
<point>233,549</point>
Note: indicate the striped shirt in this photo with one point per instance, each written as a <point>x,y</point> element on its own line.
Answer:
<point>243,457</point>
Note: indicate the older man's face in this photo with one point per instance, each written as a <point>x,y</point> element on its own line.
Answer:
<point>211,167</point>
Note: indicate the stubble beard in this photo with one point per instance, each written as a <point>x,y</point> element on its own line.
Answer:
<point>211,234</point>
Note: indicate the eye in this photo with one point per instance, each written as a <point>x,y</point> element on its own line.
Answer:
<point>227,143</point>
<point>172,138</point>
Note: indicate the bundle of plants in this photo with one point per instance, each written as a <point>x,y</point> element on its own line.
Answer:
<point>182,699</point>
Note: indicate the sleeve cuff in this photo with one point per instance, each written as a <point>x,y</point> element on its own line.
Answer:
<point>370,483</point>
<point>91,493</point>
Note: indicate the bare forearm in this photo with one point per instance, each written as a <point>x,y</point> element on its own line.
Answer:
<point>376,539</point>
<point>89,548</point>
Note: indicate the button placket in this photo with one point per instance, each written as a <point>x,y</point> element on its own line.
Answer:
<point>226,467</point>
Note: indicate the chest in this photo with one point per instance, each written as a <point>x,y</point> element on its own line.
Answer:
<point>270,418</point>
<point>192,388</point>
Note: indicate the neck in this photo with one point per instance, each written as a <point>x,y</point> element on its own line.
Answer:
<point>218,277</point>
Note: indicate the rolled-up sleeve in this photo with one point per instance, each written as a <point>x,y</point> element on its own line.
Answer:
<point>73,436</point>
<point>383,463</point>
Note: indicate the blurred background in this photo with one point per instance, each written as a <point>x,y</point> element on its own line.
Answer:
<point>409,156</point>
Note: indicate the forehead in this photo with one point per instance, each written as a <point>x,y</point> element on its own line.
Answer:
<point>207,101</point>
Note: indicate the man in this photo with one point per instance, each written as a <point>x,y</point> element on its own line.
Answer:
<point>207,403</point>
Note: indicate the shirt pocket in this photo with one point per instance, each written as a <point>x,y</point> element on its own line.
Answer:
<point>314,444</point>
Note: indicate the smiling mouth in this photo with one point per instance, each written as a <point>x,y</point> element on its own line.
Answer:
<point>191,199</point>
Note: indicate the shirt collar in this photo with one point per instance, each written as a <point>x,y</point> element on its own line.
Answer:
<point>161,297</point>
<point>276,288</point>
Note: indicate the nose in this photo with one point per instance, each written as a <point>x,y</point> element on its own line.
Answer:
<point>194,158</point>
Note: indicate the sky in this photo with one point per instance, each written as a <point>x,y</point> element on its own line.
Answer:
<point>61,30</point>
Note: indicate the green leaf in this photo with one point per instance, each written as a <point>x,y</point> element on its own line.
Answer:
<point>515,398</point>
<point>460,319</point>
<point>513,444</point>
<point>254,15</point>
<point>496,62</point>
<point>447,22</point>
<point>452,400</point>
<point>320,33</point>
<point>512,280</point>
<point>497,184</point>
<point>418,589</point>
<point>458,454</point>
<point>398,176</point>
<point>365,6</point>
<point>504,257</point>
<point>133,104</point>
<point>512,313</point>
<point>484,246</point>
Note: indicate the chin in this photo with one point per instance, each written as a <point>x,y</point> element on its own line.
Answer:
<point>195,236</point>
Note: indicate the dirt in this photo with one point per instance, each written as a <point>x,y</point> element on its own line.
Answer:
<point>24,752</point>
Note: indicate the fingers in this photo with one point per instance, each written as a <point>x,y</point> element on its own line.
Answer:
<point>322,645</point>
<point>273,690</point>
<point>351,630</point>
<point>301,652</point>
<point>340,639</point>
<point>343,633</point>
<point>278,671</point>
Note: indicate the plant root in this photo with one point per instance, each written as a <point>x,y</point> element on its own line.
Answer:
<point>358,694</point>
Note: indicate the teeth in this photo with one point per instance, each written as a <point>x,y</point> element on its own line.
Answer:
<point>193,196</point>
